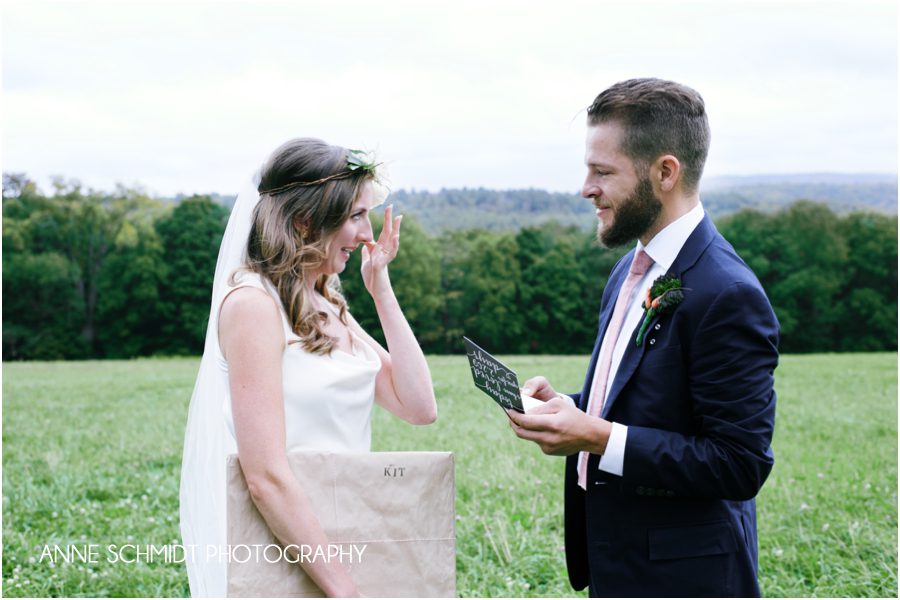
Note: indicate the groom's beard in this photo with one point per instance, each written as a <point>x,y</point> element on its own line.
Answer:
<point>632,217</point>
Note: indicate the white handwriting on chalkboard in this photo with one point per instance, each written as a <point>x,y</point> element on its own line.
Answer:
<point>494,378</point>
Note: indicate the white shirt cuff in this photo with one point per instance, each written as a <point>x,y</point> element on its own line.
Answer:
<point>613,460</point>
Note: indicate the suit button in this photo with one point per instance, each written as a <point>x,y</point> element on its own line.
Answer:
<point>653,341</point>
<point>657,327</point>
<point>640,490</point>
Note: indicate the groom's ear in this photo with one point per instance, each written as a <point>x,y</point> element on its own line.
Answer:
<point>665,173</point>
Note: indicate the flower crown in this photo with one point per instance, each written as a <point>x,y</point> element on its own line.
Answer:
<point>356,160</point>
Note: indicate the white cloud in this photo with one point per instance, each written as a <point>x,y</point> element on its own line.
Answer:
<point>190,96</point>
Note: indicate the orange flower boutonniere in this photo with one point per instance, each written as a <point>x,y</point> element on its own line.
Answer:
<point>662,297</point>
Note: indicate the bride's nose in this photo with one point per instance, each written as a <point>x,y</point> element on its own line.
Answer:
<point>364,233</point>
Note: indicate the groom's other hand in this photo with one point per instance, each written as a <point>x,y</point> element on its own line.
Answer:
<point>558,427</point>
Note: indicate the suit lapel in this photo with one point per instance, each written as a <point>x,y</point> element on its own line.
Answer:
<point>606,313</point>
<point>693,248</point>
<point>616,280</point>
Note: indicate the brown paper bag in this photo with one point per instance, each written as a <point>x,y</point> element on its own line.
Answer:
<point>389,517</point>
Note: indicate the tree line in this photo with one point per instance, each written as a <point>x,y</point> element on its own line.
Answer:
<point>90,274</point>
<point>470,208</point>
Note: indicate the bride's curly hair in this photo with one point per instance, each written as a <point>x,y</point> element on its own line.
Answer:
<point>306,193</point>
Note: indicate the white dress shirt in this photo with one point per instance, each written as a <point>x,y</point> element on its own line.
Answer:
<point>663,249</point>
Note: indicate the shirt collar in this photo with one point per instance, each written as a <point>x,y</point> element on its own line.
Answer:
<point>665,245</point>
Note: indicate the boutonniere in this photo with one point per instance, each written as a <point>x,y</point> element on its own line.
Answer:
<point>662,297</point>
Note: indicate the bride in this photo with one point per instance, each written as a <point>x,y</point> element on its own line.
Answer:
<point>285,366</point>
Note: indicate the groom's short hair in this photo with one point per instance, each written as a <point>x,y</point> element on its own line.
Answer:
<point>658,117</point>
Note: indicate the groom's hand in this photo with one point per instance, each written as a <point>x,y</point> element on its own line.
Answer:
<point>561,429</point>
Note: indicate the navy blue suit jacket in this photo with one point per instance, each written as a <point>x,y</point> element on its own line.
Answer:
<point>697,397</point>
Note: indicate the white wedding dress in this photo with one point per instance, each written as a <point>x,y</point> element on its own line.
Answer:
<point>327,400</point>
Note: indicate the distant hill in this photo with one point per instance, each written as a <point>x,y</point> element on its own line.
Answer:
<point>843,193</point>
<point>513,209</point>
<point>469,208</point>
<point>491,209</point>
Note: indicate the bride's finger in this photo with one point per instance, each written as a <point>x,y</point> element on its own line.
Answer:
<point>395,239</point>
<point>388,228</point>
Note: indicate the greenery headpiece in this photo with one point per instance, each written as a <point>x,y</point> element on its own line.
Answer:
<point>356,160</point>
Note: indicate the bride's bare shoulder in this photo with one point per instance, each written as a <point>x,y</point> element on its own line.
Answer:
<point>249,312</point>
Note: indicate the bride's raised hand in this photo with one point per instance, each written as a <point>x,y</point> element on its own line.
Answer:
<point>378,254</point>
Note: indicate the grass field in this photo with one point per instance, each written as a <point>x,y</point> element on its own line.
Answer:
<point>91,454</point>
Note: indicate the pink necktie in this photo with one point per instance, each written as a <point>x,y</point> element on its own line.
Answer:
<point>639,267</point>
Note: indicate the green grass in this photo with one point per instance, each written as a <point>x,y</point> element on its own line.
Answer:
<point>91,454</point>
<point>828,514</point>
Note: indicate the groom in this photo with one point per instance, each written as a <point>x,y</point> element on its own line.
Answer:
<point>668,442</point>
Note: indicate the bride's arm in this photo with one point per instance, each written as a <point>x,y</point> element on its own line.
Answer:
<point>403,385</point>
<point>252,341</point>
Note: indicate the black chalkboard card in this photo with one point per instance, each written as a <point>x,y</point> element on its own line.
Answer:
<point>494,378</point>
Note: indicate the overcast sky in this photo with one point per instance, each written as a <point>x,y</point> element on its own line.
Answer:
<point>191,96</point>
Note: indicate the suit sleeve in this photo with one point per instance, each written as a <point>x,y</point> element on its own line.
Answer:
<point>731,363</point>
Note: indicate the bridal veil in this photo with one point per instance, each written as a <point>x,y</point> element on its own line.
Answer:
<point>206,443</point>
